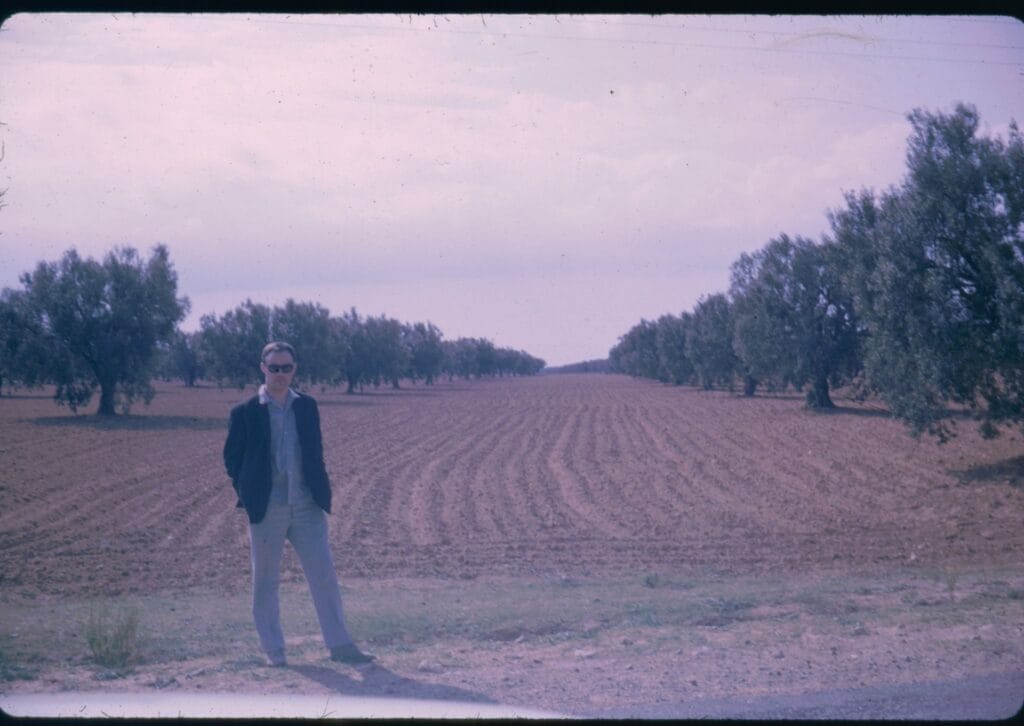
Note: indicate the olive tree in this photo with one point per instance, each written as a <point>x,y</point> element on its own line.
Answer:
<point>99,324</point>
<point>793,318</point>
<point>307,326</point>
<point>709,342</point>
<point>230,345</point>
<point>936,268</point>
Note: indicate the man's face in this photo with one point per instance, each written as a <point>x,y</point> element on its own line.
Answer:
<point>279,369</point>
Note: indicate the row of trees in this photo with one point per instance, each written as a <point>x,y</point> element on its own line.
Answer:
<point>357,350</point>
<point>112,325</point>
<point>916,296</point>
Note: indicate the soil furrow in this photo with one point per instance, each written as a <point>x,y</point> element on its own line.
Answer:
<point>463,516</point>
<point>551,474</point>
<point>576,484</point>
<point>542,489</point>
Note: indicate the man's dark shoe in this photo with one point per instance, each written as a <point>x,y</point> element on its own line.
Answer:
<point>349,653</point>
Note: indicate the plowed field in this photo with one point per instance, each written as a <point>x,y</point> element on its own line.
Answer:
<point>586,474</point>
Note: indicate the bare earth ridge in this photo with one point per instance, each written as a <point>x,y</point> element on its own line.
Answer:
<point>569,476</point>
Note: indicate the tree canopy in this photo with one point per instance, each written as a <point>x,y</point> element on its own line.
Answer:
<point>794,321</point>
<point>86,324</point>
<point>936,267</point>
<point>709,342</point>
<point>230,344</point>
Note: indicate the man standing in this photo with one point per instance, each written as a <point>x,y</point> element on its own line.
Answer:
<point>274,456</point>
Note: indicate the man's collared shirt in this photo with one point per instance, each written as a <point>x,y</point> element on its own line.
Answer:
<point>286,456</point>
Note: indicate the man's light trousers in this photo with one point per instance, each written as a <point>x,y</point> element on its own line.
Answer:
<point>305,526</point>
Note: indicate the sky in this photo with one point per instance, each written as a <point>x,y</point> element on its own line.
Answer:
<point>542,181</point>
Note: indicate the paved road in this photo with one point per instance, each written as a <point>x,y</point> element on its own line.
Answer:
<point>989,697</point>
<point>999,696</point>
<point>92,705</point>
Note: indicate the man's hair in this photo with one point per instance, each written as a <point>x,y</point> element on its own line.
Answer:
<point>277,347</point>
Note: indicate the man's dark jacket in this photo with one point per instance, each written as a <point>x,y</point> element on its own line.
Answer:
<point>247,454</point>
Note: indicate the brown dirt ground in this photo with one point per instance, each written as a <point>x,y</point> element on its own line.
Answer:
<point>554,476</point>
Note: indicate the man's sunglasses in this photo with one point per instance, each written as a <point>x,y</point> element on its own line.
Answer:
<point>284,368</point>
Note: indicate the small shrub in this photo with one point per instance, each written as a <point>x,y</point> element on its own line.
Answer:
<point>112,635</point>
<point>951,578</point>
<point>10,671</point>
<point>14,672</point>
<point>642,614</point>
<point>653,580</point>
<point>731,605</point>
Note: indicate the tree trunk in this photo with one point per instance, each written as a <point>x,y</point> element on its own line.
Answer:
<point>106,400</point>
<point>817,395</point>
<point>749,385</point>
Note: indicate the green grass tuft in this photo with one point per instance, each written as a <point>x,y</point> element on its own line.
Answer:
<point>113,635</point>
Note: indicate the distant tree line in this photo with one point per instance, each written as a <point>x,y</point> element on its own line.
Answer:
<point>916,296</point>
<point>111,325</point>
<point>598,365</point>
<point>351,349</point>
